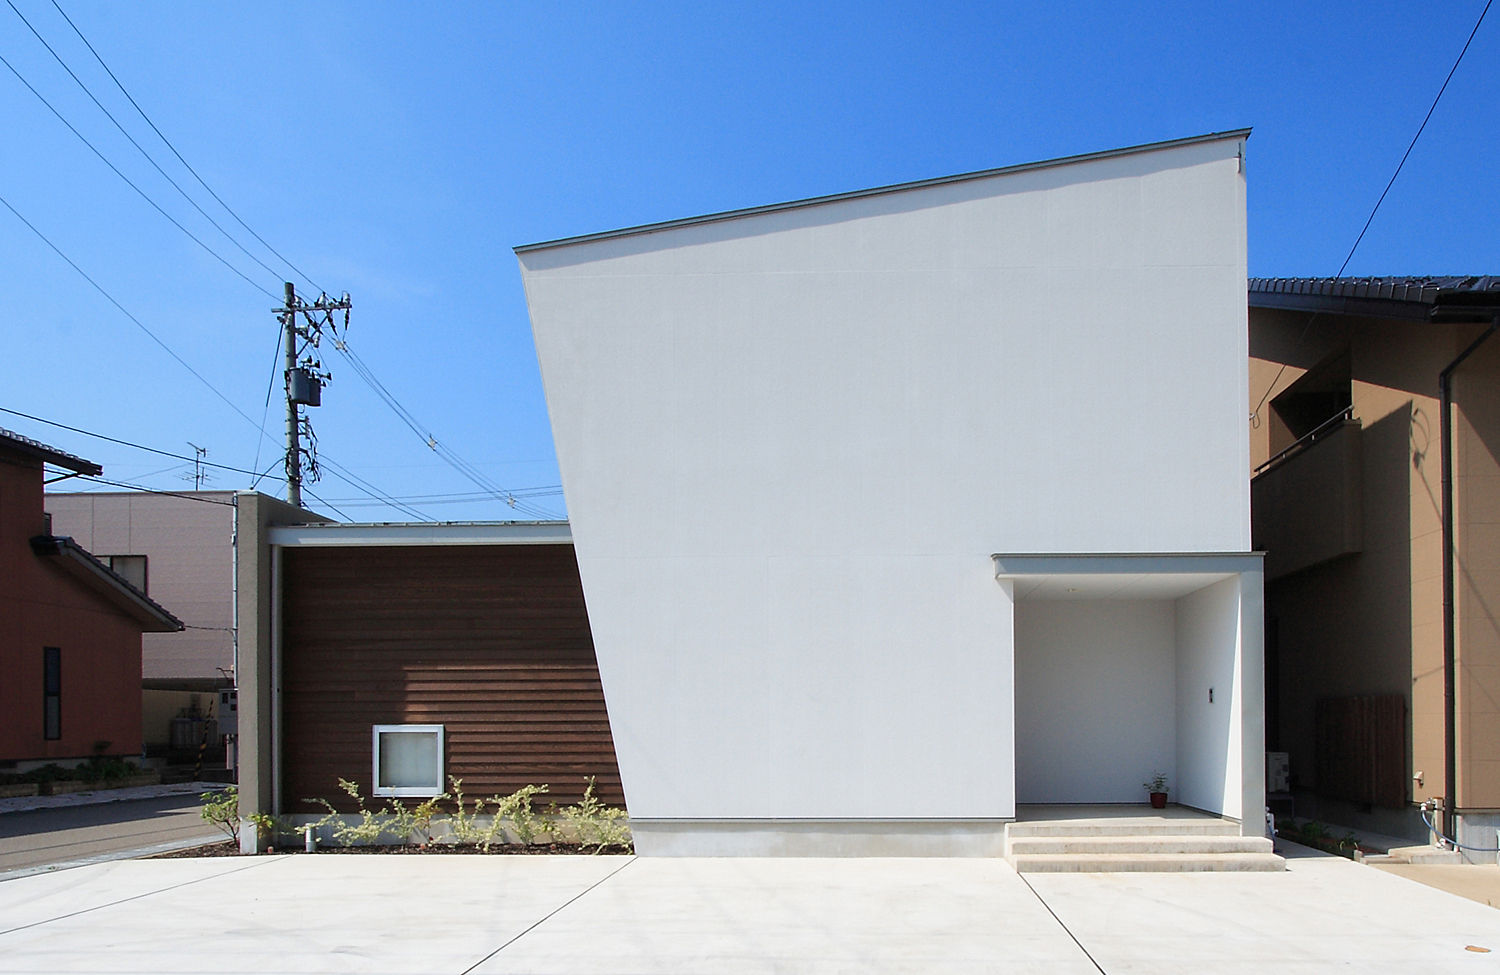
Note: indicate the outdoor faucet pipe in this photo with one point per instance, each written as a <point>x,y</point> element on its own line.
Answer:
<point>1445,423</point>
<point>1427,808</point>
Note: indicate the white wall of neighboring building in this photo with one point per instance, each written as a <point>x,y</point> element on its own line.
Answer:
<point>790,440</point>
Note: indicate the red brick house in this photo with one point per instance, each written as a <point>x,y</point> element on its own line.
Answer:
<point>70,627</point>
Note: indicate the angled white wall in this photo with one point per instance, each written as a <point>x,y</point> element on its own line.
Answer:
<point>790,440</point>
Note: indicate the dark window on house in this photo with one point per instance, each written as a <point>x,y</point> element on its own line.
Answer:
<point>1321,395</point>
<point>51,693</point>
<point>132,567</point>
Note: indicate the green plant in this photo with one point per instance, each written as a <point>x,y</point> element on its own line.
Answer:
<point>51,772</point>
<point>1157,782</point>
<point>268,827</point>
<point>424,815</point>
<point>514,810</point>
<point>593,823</point>
<point>366,830</point>
<point>517,808</point>
<point>99,769</point>
<point>222,809</point>
<point>462,825</point>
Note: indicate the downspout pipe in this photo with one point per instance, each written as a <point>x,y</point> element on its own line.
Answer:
<point>1457,311</point>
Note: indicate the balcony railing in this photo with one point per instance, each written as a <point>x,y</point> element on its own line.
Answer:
<point>1307,501</point>
<point>1307,439</point>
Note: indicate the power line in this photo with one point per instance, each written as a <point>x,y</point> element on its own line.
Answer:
<point>1425,119</point>
<point>1255,414</point>
<point>266,407</point>
<point>463,497</point>
<point>335,510</point>
<point>449,457</point>
<point>142,193</point>
<point>146,490</point>
<point>124,443</point>
<point>111,299</point>
<point>453,459</point>
<point>139,148</point>
<point>167,142</point>
<point>354,480</point>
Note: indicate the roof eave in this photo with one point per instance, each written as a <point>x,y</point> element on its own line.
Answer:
<point>1327,304</point>
<point>10,440</point>
<point>78,564</point>
<point>651,228</point>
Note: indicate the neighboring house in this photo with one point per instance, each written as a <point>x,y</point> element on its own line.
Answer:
<point>1348,505</point>
<point>402,656</point>
<point>70,627</point>
<point>899,508</point>
<point>178,548</point>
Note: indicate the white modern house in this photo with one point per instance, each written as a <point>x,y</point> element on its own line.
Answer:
<point>899,508</point>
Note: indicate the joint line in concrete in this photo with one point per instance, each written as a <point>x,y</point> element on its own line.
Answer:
<point>550,915</point>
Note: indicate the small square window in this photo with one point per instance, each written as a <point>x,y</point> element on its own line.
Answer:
<point>408,759</point>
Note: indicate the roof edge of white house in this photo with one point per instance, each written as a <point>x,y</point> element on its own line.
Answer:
<point>1081,563</point>
<point>649,228</point>
<point>422,533</point>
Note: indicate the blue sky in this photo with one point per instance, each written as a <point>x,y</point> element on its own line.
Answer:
<point>399,152</point>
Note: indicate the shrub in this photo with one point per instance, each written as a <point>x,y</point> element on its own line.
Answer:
<point>367,830</point>
<point>222,809</point>
<point>595,824</point>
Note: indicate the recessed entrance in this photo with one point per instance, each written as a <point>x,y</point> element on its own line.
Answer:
<point>1120,674</point>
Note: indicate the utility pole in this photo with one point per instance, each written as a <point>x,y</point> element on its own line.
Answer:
<point>303,326</point>
<point>293,423</point>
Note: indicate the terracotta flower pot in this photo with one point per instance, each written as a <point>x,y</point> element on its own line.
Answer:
<point>1158,800</point>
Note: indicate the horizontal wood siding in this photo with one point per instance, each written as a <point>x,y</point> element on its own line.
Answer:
<point>492,642</point>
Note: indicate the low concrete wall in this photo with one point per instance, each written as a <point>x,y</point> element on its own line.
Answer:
<point>820,838</point>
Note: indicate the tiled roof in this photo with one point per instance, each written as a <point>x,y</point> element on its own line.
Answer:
<point>1422,288</point>
<point>77,562</point>
<point>49,455</point>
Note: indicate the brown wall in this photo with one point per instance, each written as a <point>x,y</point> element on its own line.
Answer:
<point>1371,622</point>
<point>40,607</point>
<point>491,641</point>
<point>1476,435</point>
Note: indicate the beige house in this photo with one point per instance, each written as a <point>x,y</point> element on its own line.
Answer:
<point>1348,504</point>
<point>178,549</point>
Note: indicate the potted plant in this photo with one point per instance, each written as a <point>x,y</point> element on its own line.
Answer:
<point>1157,786</point>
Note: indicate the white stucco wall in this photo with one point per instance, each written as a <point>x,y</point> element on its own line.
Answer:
<point>790,440</point>
<point>1209,735</point>
<point>1096,694</point>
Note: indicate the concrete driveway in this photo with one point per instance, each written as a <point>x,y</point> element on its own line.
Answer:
<point>457,914</point>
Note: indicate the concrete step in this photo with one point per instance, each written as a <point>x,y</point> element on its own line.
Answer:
<point>1112,845</point>
<point>1124,827</point>
<point>1146,862</point>
<point>1425,853</point>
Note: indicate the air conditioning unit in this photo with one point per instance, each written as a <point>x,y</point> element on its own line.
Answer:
<point>1278,772</point>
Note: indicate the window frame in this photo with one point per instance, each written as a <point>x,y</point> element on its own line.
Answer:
<point>427,791</point>
<point>51,693</point>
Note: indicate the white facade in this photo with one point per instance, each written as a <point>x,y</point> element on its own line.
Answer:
<point>792,438</point>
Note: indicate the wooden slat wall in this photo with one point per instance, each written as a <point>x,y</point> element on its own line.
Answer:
<point>1361,749</point>
<point>490,641</point>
